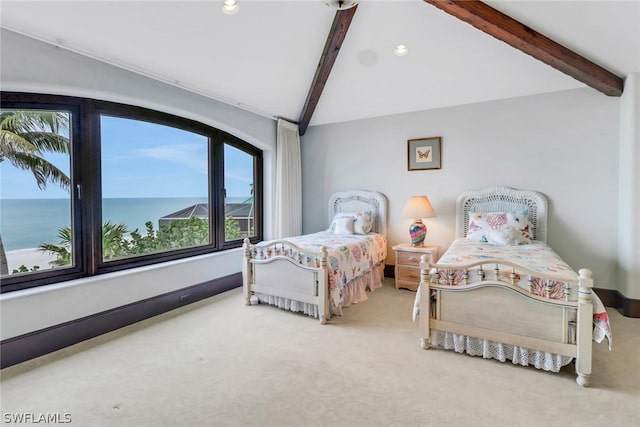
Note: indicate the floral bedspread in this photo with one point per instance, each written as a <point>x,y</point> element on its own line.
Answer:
<point>350,255</point>
<point>537,257</point>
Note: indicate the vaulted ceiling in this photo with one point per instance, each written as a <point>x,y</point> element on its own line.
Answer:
<point>265,57</point>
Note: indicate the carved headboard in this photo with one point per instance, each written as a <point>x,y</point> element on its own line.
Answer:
<point>503,199</point>
<point>361,200</point>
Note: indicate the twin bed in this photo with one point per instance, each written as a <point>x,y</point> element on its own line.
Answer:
<point>499,291</point>
<point>321,273</point>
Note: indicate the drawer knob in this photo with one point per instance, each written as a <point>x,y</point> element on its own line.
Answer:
<point>413,258</point>
<point>413,276</point>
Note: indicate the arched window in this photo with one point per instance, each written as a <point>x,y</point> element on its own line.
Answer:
<point>91,186</point>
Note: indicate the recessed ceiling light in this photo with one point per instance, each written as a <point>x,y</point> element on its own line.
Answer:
<point>230,7</point>
<point>401,50</point>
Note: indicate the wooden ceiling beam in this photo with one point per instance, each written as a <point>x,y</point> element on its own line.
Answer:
<point>529,41</point>
<point>337,33</point>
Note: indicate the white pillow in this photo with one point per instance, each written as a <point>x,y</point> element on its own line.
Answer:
<point>344,225</point>
<point>332,227</point>
<point>363,221</point>
<point>506,236</point>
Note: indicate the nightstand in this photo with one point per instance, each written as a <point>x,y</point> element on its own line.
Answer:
<point>408,264</point>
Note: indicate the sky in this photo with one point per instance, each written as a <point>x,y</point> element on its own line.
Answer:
<point>141,159</point>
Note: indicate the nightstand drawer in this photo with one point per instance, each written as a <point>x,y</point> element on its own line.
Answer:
<point>412,286</point>
<point>407,269</point>
<point>408,274</point>
<point>409,258</point>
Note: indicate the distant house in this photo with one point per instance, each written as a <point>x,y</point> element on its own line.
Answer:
<point>242,212</point>
<point>199,210</point>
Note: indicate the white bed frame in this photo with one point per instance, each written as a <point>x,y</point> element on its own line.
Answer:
<point>499,310</point>
<point>280,268</point>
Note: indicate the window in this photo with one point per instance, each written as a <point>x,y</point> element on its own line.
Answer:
<point>239,202</point>
<point>155,188</point>
<point>124,187</point>
<point>36,206</point>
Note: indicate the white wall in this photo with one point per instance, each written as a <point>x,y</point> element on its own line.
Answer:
<point>562,144</point>
<point>629,198</point>
<point>32,66</point>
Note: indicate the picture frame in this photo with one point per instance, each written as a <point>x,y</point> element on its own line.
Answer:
<point>424,153</point>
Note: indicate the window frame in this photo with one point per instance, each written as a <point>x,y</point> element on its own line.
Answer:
<point>43,277</point>
<point>86,185</point>
<point>257,196</point>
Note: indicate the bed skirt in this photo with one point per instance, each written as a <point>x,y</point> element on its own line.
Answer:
<point>502,352</point>
<point>352,293</point>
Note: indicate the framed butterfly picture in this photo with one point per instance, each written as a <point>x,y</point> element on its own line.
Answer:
<point>425,153</point>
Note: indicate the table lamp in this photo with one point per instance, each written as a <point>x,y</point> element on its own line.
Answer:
<point>418,207</point>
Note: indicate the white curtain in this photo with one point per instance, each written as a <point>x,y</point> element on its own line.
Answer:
<point>288,197</point>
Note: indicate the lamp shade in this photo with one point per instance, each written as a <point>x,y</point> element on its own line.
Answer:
<point>418,207</point>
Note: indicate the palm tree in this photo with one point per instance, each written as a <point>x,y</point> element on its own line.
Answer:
<point>62,250</point>
<point>25,136</point>
<point>113,244</point>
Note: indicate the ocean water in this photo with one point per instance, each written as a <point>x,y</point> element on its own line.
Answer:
<point>27,223</point>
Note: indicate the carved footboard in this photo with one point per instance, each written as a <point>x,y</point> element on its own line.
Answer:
<point>495,308</point>
<point>282,269</point>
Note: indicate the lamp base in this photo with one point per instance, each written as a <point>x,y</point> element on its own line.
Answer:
<point>418,232</point>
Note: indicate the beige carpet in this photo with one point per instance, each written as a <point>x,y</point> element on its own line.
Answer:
<point>218,363</point>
